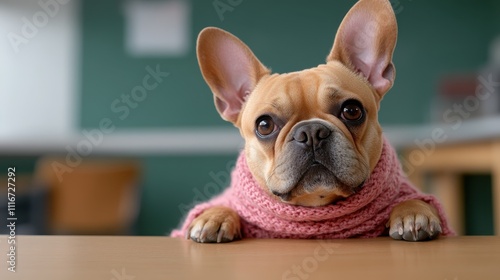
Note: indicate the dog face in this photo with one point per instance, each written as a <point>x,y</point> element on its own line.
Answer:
<point>312,136</point>
<point>317,139</point>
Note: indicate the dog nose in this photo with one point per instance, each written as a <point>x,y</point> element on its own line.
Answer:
<point>311,134</point>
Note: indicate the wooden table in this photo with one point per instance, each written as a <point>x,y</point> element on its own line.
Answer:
<point>149,258</point>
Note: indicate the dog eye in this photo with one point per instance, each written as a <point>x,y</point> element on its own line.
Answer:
<point>352,111</point>
<point>265,126</point>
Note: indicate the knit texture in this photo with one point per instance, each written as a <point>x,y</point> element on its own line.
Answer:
<point>364,214</point>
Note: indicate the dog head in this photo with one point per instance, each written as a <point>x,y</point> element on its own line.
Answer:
<point>311,137</point>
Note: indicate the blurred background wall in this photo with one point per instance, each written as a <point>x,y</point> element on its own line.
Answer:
<point>74,71</point>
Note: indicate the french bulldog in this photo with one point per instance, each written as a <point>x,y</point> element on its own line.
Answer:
<point>312,137</point>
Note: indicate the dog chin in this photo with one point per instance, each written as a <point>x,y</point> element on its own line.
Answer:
<point>317,186</point>
<point>313,199</point>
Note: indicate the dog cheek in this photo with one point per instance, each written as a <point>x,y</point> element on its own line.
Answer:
<point>349,167</point>
<point>259,166</point>
<point>288,167</point>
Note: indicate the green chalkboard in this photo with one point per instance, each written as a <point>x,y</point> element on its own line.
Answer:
<point>435,38</point>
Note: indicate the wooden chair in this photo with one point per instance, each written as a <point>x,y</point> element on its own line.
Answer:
<point>447,163</point>
<point>99,196</point>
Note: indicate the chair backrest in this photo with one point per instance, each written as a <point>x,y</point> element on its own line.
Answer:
<point>99,196</point>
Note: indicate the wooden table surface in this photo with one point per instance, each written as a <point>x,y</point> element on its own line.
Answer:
<point>127,258</point>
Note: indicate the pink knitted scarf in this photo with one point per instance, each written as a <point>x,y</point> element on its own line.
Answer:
<point>364,214</point>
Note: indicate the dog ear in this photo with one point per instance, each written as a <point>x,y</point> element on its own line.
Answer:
<point>230,69</point>
<point>365,43</point>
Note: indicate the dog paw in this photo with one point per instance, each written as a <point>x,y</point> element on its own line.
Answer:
<point>414,220</point>
<point>217,224</point>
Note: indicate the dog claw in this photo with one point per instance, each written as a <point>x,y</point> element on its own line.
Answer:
<point>204,236</point>
<point>434,229</point>
<point>220,234</point>
<point>396,231</point>
<point>409,236</point>
<point>215,226</point>
<point>416,227</point>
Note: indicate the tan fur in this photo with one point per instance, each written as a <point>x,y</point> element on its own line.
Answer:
<point>244,90</point>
